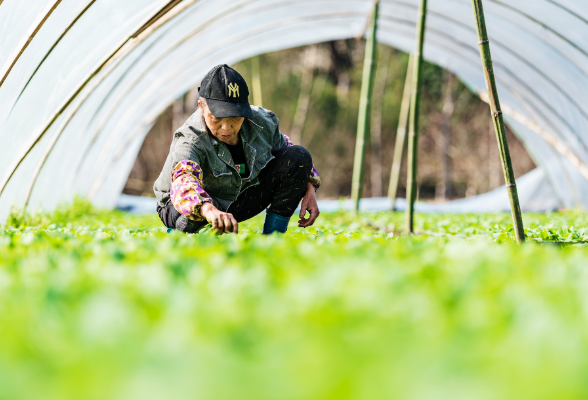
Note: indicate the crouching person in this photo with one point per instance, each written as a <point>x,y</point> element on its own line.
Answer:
<point>229,162</point>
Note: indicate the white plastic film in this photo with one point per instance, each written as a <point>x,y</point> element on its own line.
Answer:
<point>79,110</point>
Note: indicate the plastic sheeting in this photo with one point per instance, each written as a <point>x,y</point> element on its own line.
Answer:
<point>536,196</point>
<point>83,80</point>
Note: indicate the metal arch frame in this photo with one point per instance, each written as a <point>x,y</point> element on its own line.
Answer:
<point>168,3</point>
<point>544,133</point>
<point>510,73</point>
<point>143,53</point>
<point>68,28</point>
<point>503,47</point>
<point>202,27</point>
<point>124,47</point>
<point>530,18</point>
<point>571,136</point>
<point>28,41</point>
<point>48,53</point>
<point>561,36</point>
<point>173,72</point>
<point>550,81</point>
<point>167,51</point>
<point>520,12</point>
<point>72,114</point>
<point>568,10</point>
<point>161,82</point>
<point>132,136</point>
<point>408,22</point>
<point>516,93</point>
<point>497,43</point>
<point>547,136</point>
<point>548,44</point>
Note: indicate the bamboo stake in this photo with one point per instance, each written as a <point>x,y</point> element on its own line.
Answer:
<point>413,130</point>
<point>377,115</point>
<point>443,191</point>
<point>401,134</point>
<point>364,108</point>
<point>306,83</point>
<point>256,82</point>
<point>498,120</point>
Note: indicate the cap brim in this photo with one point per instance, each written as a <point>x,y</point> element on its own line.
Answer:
<point>226,109</point>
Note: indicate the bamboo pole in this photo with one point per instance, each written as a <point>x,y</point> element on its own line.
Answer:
<point>547,136</point>
<point>443,191</point>
<point>306,83</point>
<point>256,82</point>
<point>364,108</point>
<point>401,134</point>
<point>413,130</point>
<point>498,120</point>
<point>377,116</point>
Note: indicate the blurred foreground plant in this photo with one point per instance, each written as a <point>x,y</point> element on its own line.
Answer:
<point>97,304</point>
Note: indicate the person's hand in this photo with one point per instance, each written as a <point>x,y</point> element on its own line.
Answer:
<point>308,204</point>
<point>222,222</point>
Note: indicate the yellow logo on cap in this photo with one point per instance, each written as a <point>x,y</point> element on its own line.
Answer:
<point>233,90</point>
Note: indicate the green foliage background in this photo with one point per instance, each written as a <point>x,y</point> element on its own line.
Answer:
<point>103,305</point>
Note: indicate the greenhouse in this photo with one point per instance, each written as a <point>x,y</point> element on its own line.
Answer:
<point>81,82</point>
<point>434,291</point>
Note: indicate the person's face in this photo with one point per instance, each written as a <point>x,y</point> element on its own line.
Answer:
<point>224,129</point>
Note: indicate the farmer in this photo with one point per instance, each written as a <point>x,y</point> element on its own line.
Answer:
<point>229,162</point>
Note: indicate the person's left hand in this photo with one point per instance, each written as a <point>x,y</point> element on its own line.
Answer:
<point>308,204</point>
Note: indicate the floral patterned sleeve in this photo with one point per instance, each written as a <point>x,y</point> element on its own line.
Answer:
<point>314,179</point>
<point>186,191</point>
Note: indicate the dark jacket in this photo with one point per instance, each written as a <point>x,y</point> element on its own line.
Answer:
<point>221,180</point>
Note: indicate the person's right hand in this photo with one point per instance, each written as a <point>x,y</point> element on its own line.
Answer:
<point>222,222</point>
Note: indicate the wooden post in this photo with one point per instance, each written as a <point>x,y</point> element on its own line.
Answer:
<point>256,82</point>
<point>401,134</point>
<point>498,121</point>
<point>364,108</point>
<point>413,130</point>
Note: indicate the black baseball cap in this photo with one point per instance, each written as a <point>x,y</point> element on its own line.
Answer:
<point>226,93</point>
